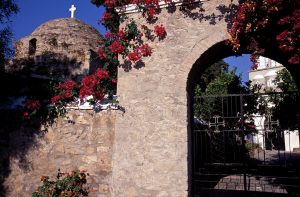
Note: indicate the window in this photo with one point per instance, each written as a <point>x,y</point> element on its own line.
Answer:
<point>32,46</point>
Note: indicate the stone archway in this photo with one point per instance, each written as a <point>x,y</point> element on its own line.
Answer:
<point>207,172</point>
<point>151,151</point>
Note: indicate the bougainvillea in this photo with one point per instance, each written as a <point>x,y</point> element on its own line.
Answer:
<point>116,47</point>
<point>31,107</point>
<point>94,85</point>
<point>268,25</point>
<point>128,41</point>
<point>134,56</point>
<point>160,31</point>
<point>64,91</point>
<point>66,185</point>
<point>258,25</point>
<point>32,104</point>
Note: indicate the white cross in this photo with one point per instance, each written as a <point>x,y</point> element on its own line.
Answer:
<point>270,124</point>
<point>216,124</point>
<point>72,10</point>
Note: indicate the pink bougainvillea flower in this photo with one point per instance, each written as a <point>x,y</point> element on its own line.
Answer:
<point>106,16</point>
<point>145,50</point>
<point>151,12</point>
<point>121,34</point>
<point>32,104</point>
<point>109,35</point>
<point>99,94</point>
<point>55,99</point>
<point>295,60</point>
<point>109,3</point>
<point>134,56</point>
<point>101,74</point>
<point>101,53</point>
<point>160,31</point>
<point>116,47</point>
<point>25,114</point>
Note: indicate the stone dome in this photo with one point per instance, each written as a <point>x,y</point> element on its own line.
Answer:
<point>62,36</point>
<point>72,25</point>
<point>63,29</point>
<point>64,43</point>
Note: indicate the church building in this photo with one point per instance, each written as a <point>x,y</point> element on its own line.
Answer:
<point>63,48</point>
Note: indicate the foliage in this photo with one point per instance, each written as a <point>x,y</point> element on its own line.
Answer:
<point>128,41</point>
<point>256,27</point>
<point>262,25</point>
<point>211,73</point>
<point>66,185</point>
<point>226,83</point>
<point>5,51</point>
<point>285,102</point>
<point>251,148</point>
<point>96,85</point>
<point>218,83</point>
<point>7,9</point>
<point>31,108</point>
<point>284,81</point>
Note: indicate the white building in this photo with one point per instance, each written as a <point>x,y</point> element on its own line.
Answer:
<point>264,75</point>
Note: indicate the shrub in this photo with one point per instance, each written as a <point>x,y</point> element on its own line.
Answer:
<point>66,185</point>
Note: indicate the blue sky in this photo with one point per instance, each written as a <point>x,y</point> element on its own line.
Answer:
<point>34,13</point>
<point>242,63</point>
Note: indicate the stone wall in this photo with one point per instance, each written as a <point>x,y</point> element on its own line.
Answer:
<point>81,141</point>
<point>151,149</point>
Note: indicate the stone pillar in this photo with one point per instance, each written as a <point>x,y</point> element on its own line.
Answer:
<point>150,156</point>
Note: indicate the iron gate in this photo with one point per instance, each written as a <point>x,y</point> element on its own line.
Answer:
<point>246,145</point>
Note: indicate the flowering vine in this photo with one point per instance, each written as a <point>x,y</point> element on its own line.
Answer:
<point>272,25</point>
<point>66,185</point>
<point>31,108</point>
<point>130,42</point>
<point>258,25</point>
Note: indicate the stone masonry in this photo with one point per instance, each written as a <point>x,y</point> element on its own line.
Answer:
<point>66,44</point>
<point>82,141</point>
<point>144,152</point>
<point>151,149</point>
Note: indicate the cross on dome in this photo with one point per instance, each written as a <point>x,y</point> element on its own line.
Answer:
<point>72,10</point>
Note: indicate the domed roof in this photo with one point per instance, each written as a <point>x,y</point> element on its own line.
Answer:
<point>69,34</point>
<point>66,26</point>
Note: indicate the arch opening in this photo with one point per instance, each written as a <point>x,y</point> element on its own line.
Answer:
<point>234,144</point>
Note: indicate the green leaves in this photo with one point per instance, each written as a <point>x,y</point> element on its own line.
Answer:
<point>132,30</point>
<point>284,81</point>
<point>66,185</point>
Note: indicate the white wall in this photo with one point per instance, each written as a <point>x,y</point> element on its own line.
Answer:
<point>291,140</point>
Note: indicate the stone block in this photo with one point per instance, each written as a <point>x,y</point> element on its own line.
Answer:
<point>90,159</point>
<point>103,188</point>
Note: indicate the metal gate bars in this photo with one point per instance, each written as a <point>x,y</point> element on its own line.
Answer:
<point>246,145</point>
